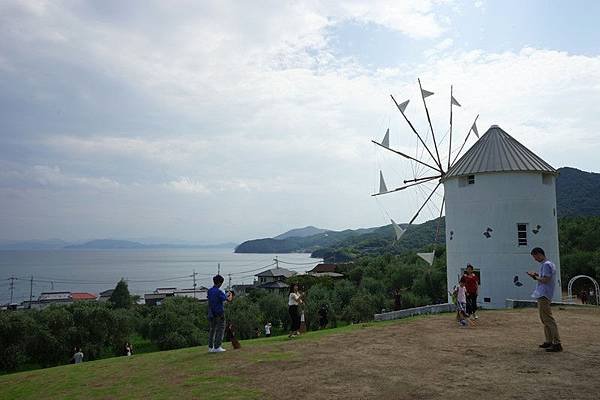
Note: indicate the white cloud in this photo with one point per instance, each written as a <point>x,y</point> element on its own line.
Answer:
<point>249,111</point>
<point>188,185</point>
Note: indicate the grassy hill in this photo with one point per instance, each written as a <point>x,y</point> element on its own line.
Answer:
<point>577,193</point>
<point>426,357</point>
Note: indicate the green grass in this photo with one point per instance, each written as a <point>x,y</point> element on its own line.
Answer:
<point>183,373</point>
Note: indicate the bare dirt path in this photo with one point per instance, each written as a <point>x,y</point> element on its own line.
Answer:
<point>433,358</point>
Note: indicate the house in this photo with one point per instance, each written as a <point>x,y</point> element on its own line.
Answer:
<point>274,280</point>
<point>105,296</point>
<point>46,299</point>
<point>200,293</point>
<point>82,296</point>
<point>242,289</point>
<point>154,299</point>
<point>160,294</point>
<point>325,269</point>
<point>166,291</point>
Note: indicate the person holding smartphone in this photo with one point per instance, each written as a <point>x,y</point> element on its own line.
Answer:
<point>544,291</point>
<point>216,314</point>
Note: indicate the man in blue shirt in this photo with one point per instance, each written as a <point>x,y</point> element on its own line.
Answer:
<point>216,315</point>
<point>544,291</point>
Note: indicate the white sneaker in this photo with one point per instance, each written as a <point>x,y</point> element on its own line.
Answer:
<point>219,350</point>
<point>211,350</point>
<point>476,316</point>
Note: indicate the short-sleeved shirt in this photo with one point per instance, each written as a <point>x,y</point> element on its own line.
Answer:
<point>216,298</point>
<point>267,329</point>
<point>78,357</point>
<point>471,283</point>
<point>547,268</point>
<point>461,294</point>
<point>293,300</point>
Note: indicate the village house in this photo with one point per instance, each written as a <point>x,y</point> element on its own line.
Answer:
<point>273,280</point>
<point>324,269</point>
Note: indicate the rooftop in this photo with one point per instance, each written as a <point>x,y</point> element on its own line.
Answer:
<point>497,151</point>
<point>277,272</point>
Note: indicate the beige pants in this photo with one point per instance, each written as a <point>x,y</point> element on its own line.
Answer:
<point>550,328</point>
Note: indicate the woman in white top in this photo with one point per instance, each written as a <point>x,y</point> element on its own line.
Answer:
<point>294,300</point>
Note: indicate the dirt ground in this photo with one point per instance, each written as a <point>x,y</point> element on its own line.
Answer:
<point>434,358</point>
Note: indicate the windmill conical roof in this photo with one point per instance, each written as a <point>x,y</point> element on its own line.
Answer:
<point>497,151</point>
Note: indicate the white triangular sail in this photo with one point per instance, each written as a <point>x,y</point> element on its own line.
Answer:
<point>382,187</point>
<point>474,128</point>
<point>398,230</point>
<point>455,102</point>
<point>402,106</point>
<point>428,257</point>
<point>426,93</point>
<point>386,139</point>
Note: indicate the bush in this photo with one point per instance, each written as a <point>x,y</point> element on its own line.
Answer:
<point>245,316</point>
<point>178,322</point>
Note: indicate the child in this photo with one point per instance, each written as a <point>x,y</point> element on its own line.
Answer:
<point>461,303</point>
<point>216,314</point>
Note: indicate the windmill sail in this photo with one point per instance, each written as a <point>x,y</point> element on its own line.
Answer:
<point>474,128</point>
<point>398,230</point>
<point>382,187</point>
<point>402,106</point>
<point>428,257</point>
<point>386,139</point>
<point>426,93</point>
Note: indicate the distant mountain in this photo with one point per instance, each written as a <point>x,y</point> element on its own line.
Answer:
<point>301,232</point>
<point>50,244</point>
<point>102,244</point>
<point>324,245</point>
<point>107,244</point>
<point>577,193</point>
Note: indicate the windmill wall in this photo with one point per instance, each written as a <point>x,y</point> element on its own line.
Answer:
<point>483,214</point>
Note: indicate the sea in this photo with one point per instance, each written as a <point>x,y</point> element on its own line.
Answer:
<point>94,271</point>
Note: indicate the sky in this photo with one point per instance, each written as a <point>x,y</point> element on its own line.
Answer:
<point>212,121</point>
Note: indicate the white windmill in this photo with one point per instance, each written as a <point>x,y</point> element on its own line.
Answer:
<point>500,201</point>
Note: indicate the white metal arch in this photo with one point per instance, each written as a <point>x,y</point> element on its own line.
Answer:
<point>597,288</point>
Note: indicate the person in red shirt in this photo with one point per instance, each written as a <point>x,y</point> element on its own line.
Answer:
<point>472,285</point>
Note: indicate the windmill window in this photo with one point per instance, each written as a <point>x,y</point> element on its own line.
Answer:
<point>471,179</point>
<point>522,234</point>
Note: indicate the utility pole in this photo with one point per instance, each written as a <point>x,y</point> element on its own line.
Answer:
<point>219,269</point>
<point>30,291</point>
<point>276,259</point>
<point>194,276</point>
<point>229,284</point>
<point>12,287</point>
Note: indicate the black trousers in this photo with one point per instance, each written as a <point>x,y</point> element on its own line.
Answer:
<point>294,317</point>
<point>471,303</point>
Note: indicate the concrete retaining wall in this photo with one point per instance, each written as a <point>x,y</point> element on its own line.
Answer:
<point>513,303</point>
<point>409,312</point>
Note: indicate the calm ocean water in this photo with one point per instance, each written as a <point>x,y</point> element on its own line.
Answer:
<point>97,270</point>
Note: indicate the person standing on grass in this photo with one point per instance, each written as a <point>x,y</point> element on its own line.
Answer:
<point>268,326</point>
<point>78,357</point>
<point>472,288</point>
<point>544,291</point>
<point>294,300</point>
<point>216,314</point>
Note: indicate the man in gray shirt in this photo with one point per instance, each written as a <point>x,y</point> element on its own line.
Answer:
<point>544,291</point>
